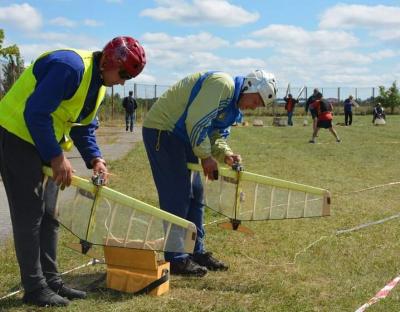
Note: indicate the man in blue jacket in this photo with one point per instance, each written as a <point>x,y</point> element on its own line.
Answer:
<point>348,110</point>
<point>191,121</point>
<point>50,107</point>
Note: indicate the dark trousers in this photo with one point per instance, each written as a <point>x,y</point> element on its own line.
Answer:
<point>348,118</point>
<point>35,231</point>
<point>129,120</point>
<point>178,192</point>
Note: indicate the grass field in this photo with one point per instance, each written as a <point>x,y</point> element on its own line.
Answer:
<point>289,265</point>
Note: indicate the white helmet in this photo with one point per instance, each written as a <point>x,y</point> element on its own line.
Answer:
<point>259,81</point>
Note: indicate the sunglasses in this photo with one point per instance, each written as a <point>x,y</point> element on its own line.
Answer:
<point>123,74</point>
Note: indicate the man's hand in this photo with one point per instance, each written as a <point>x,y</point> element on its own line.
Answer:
<point>100,168</point>
<point>232,159</point>
<point>209,165</point>
<point>62,171</point>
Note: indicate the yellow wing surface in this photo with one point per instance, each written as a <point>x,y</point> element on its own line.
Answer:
<point>246,196</point>
<point>100,215</point>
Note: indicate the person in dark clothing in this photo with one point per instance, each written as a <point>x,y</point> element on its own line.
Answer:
<point>348,112</point>
<point>53,102</point>
<point>378,113</point>
<point>325,117</point>
<point>310,107</point>
<point>289,106</point>
<point>130,105</point>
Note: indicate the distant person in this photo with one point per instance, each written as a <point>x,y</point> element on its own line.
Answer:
<point>310,107</point>
<point>378,114</point>
<point>348,110</point>
<point>324,117</point>
<point>289,107</point>
<point>190,122</point>
<point>130,105</point>
<point>51,107</point>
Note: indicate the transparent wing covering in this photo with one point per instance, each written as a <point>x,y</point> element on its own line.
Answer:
<point>247,196</point>
<point>106,217</point>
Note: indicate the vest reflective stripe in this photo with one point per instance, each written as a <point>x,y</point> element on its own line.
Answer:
<point>13,104</point>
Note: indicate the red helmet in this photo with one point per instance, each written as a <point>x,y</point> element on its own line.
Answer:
<point>126,51</point>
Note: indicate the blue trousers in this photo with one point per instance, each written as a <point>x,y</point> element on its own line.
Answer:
<point>177,192</point>
<point>129,121</point>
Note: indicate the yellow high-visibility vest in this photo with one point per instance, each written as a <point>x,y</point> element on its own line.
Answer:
<point>12,106</point>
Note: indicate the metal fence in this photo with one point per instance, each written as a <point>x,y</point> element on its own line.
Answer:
<point>147,91</point>
<point>147,94</point>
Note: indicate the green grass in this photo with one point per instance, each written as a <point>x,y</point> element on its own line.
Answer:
<point>274,270</point>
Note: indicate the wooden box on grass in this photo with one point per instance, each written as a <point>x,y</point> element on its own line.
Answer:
<point>130,270</point>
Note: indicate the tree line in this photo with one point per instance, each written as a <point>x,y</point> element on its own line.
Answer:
<point>14,65</point>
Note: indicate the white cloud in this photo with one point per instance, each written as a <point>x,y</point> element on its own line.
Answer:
<point>53,41</point>
<point>354,15</point>
<point>252,44</point>
<point>383,54</point>
<point>22,16</point>
<point>63,22</point>
<point>387,34</point>
<point>219,12</point>
<point>92,23</point>
<point>314,57</point>
<point>180,56</point>
<point>296,37</point>
<point>369,80</point>
<point>145,79</point>
<point>199,42</point>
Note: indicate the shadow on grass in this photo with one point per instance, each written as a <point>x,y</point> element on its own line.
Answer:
<point>93,283</point>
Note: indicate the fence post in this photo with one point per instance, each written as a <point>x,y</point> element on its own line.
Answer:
<point>112,103</point>
<point>338,95</point>
<point>373,92</point>
<point>155,91</point>
<point>356,93</point>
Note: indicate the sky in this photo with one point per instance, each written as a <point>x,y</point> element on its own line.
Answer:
<point>321,43</point>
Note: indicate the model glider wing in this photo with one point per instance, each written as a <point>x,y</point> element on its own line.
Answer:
<point>245,196</point>
<point>100,215</point>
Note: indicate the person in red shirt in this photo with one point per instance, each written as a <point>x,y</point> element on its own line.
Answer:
<point>324,117</point>
<point>289,106</point>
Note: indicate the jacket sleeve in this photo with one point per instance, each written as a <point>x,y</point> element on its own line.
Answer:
<point>216,92</point>
<point>84,138</point>
<point>219,146</point>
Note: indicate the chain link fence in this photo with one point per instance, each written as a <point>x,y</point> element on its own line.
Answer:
<point>147,94</point>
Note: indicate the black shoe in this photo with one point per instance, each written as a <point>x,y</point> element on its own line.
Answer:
<point>188,267</point>
<point>43,297</point>
<point>206,259</point>
<point>67,292</point>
